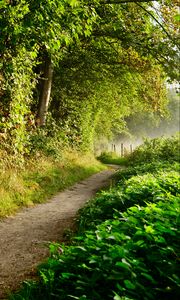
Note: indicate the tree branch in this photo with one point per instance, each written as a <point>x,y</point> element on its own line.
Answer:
<point>149,13</point>
<point>124,1</point>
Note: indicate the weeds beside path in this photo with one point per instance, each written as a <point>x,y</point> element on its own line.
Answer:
<point>23,238</point>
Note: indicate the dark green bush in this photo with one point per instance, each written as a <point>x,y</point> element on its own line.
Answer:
<point>132,256</point>
<point>142,168</point>
<point>162,149</point>
<point>49,140</point>
<point>136,190</point>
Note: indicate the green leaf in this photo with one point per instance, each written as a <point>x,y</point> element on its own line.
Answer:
<point>177,18</point>
<point>73,3</point>
<point>66,275</point>
<point>149,277</point>
<point>122,265</point>
<point>129,284</point>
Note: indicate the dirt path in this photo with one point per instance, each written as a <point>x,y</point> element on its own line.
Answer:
<point>23,237</point>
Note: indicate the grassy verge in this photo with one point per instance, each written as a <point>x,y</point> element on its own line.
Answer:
<point>41,179</point>
<point>112,158</point>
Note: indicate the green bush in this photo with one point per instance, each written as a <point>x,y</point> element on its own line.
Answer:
<point>112,158</point>
<point>49,140</point>
<point>142,168</point>
<point>157,149</point>
<point>134,255</point>
<point>136,190</point>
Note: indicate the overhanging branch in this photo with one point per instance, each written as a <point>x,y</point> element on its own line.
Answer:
<point>149,13</point>
<point>125,1</point>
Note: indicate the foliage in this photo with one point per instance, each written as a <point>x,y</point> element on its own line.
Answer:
<point>112,158</point>
<point>31,30</point>
<point>156,124</point>
<point>139,189</point>
<point>105,55</point>
<point>126,247</point>
<point>161,149</point>
<point>49,140</point>
<point>20,86</point>
<point>142,181</point>
<point>142,168</point>
<point>121,257</point>
<point>92,102</point>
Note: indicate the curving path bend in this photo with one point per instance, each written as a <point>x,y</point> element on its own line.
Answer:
<point>24,237</point>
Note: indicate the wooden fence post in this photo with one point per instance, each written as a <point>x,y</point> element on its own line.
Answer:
<point>131,148</point>
<point>122,150</point>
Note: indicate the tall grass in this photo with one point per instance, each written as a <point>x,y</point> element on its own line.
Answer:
<point>41,178</point>
<point>112,158</point>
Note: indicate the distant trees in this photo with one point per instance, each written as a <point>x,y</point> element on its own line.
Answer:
<point>109,60</point>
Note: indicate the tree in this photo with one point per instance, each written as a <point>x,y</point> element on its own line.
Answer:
<point>117,37</point>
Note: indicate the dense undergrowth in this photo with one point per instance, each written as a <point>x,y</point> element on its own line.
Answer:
<point>112,158</point>
<point>127,243</point>
<point>47,165</point>
<point>42,177</point>
<point>158,149</point>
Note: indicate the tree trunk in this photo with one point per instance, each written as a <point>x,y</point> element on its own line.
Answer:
<point>45,91</point>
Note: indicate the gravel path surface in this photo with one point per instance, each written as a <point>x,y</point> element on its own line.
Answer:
<point>24,237</point>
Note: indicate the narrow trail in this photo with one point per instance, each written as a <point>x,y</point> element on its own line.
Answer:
<point>24,237</point>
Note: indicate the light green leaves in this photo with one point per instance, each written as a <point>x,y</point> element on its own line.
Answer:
<point>129,284</point>
<point>177,18</point>
<point>73,3</point>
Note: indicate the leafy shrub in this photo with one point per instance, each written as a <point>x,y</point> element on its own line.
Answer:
<point>142,168</point>
<point>112,158</point>
<point>157,149</point>
<point>134,255</point>
<point>136,190</point>
<point>49,140</point>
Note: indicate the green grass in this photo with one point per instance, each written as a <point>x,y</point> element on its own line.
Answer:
<point>112,158</point>
<point>41,179</point>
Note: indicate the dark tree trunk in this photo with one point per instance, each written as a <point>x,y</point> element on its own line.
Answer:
<point>45,91</point>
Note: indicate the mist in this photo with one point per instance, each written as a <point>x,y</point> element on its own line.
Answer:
<point>142,126</point>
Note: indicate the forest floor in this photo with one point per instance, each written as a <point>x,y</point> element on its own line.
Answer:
<point>24,238</point>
